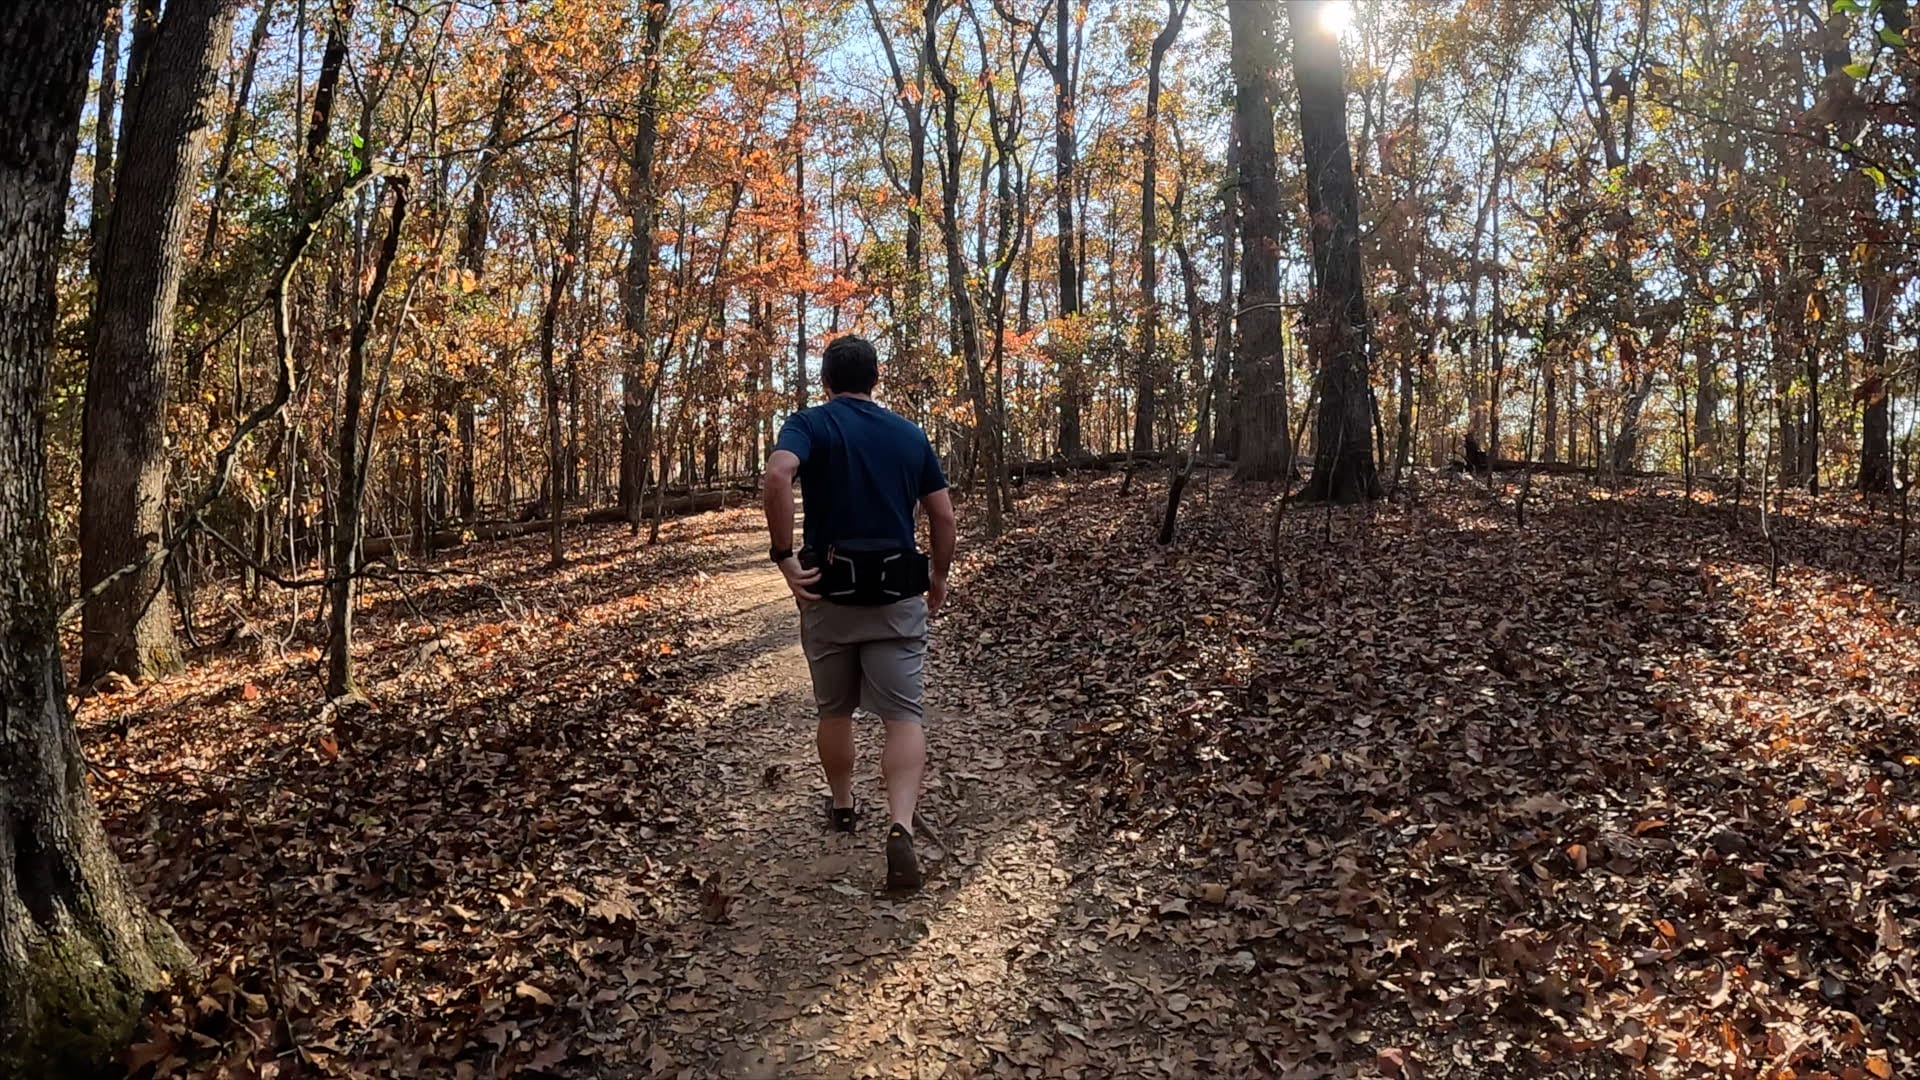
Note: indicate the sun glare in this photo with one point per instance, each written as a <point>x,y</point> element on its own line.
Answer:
<point>1336,18</point>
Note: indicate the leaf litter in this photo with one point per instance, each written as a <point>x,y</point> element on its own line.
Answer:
<point>1588,798</point>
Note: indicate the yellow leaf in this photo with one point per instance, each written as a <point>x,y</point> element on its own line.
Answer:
<point>1879,1067</point>
<point>1796,805</point>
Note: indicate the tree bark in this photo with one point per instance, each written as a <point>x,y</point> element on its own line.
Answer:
<point>123,504</point>
<point>1259,365</point>
<point>1343,464</point>
<point>77,952</point>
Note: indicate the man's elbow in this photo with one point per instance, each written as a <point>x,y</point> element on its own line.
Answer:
<point>778,479</point>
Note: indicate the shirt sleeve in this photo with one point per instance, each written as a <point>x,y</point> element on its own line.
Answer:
<point>795,437</point>
<point>932,479</point>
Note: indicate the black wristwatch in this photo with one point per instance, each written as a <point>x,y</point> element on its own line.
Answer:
<point>780,555</point>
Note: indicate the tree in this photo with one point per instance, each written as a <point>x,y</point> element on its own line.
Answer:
<point>966,315</point>
<point>1061,62</point>
<point>1259,350</point>
<point>911,94</point>
<point>353,457</point>
<point>1343,465</point>
<point>1147,375</point>
<point>642,208</point>
<point>123,508</point>
<point>472,264</point>
<point>1877,289</point>
<point>77,951</point>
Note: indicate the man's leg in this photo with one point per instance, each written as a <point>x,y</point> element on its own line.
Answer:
<point>834,737</point>
<point>835,667</point>
<point>904,763</point>
<point>893,671</point>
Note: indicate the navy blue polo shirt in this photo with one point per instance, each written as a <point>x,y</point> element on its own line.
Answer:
<point>862,471</point>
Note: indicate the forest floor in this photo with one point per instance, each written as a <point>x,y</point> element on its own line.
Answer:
<point>1583,797</point>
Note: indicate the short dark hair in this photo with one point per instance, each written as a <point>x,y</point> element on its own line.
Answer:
<point>850,365</point>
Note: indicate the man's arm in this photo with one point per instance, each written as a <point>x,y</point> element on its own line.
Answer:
<point>945,537</point>
<point>776,499</point>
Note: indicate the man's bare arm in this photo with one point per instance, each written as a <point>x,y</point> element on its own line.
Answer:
<point>776,497</point>
<point>940,522</point>
<point>776,500</point>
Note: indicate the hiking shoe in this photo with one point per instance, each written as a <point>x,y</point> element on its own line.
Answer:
<point>839,818</point>
<point>903,867</point>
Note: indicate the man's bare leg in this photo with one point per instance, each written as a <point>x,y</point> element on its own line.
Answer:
<point>904,762</point>
<point>834,738</point>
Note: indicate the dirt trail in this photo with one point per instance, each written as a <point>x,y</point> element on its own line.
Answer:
<point>812,971</point>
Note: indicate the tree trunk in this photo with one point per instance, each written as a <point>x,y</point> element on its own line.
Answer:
<point>1221,439</point>
<point>103,149</point>
<point>1147,373</point>
<point>1060,65</point>
<point>1706,402</point>
<point>1876,426</point>
<point>1549,445</point>
<point>966,315</point>
<point>78,954</point>
<point>123,505</point>
<point>635,408</point>
<point>350,482</point>
<point>1259,364</point>
<point>806,267</point>
<point>563,270</point>
<point>1343,464</point>
<point>472,259</point>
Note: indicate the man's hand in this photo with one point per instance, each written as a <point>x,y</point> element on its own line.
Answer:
<point>798,578</point>
<point>936,595</point>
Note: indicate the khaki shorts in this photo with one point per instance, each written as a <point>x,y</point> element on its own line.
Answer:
<point>866,656</point>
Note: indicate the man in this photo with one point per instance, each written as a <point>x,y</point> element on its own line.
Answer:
<point>865,590</point>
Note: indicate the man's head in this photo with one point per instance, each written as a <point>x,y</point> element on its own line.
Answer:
<point>850,366</point>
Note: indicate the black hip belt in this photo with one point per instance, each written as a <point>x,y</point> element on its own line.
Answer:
<point>868,577</point>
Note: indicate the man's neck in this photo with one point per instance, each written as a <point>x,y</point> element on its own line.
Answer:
<point>856,397</point>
